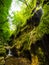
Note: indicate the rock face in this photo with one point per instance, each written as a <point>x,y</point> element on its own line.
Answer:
<point>17,61</point>
<point>2,61</point>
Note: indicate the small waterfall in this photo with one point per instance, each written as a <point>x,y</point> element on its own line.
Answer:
<point>9,53</point>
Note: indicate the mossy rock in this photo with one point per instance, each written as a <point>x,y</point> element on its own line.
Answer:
<point>2,61</point>
<point>17,61</point>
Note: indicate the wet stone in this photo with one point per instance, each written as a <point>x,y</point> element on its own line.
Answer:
<point>17,61</point>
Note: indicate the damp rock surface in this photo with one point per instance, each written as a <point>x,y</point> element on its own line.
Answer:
<point>17,61</point>
<point>2,61</point>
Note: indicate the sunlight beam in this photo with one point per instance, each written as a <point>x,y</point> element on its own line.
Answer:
<point>15,6</point>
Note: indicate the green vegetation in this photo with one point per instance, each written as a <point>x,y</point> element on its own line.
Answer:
<point>18,30</point>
